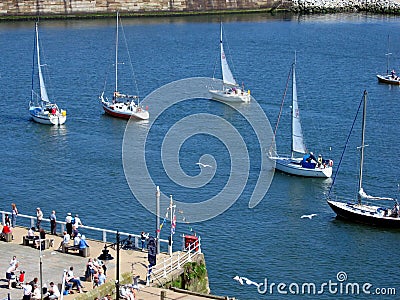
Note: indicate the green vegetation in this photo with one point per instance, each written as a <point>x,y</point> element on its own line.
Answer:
<point>193,278</point>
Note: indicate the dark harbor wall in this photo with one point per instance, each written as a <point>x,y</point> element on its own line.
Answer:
<point>98,8</point>
<point>95,7</point>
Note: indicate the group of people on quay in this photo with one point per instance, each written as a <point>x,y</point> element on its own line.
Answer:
<point>31,289</point>
<point>95,270</point>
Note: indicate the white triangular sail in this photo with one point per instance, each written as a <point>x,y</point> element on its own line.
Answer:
<point>227,76</point>
<point>43,92</point>
<point>297,133</point>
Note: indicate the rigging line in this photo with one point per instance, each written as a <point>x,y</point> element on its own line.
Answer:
<point>345,147</point>
<point>280,110</point>
<point>33,64</point>
<point>130,61</point>
<point>282,103</point>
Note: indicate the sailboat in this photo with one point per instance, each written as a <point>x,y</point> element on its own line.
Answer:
<point>358,211</point>
<point>230,92</point>
<point>389,78</point>
<point>307,165</point>
<point>40,108</point>
<point>122,105</point>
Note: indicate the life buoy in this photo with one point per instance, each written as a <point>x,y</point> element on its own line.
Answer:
<point>330,162</point>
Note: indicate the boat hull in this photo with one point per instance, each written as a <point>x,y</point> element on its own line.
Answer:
<point>293,167</point>
<point>229,97</point>
<point>388,79</point>
<point>364,214</point>
<point>124,113</point>
<point>48,119</point>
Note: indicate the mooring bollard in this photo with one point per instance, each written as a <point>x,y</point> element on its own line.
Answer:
<point>163,295</point>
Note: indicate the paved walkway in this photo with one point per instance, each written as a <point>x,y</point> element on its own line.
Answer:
<point>55,262</point>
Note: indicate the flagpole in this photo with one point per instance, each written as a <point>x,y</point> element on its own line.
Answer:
<point>158,219</point>
<point>171,215</point>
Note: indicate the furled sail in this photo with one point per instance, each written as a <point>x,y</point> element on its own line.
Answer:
<point>226,71</point>
<point>297,133</point>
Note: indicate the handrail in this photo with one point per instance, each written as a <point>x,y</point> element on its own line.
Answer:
<point>168,265</point>
<point>32,222</point>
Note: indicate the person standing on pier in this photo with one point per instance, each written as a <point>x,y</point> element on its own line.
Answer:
<point>77,221</point>
<point>68,225</point>
<point>53,223</point>
<point>14,215</point>
<point>39,217</point>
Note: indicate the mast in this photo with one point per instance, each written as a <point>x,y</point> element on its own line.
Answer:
<point>116,56</point>
<point>388,54</point>
<point>33,62</point>
<point>362,146</point>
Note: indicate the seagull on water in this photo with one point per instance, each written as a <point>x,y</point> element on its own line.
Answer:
<point>308,216</point>
<point>203,165</point>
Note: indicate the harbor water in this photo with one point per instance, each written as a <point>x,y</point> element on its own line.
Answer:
<point>79,167</point>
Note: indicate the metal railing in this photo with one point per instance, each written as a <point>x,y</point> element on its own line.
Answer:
<point>175,262</point>
<point>93,233</point>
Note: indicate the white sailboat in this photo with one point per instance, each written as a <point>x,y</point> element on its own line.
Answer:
<point>40,108</point>
<point>307,165</point>
<point>357,211</point>
<point>388,78</point>
<point>122,105</point>
<point>230,92</point>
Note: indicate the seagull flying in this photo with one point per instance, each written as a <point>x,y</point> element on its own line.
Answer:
<point>203,165</point>
<point>308,216</point>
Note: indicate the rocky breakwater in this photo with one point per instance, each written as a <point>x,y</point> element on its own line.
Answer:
<point>334,6</point>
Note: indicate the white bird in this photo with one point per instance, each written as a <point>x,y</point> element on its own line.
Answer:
<point>308,216</point>
<point>239,279</point>
<point>203,165</point>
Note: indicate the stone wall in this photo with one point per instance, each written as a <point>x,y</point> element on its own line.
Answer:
<point>67,7</point>
<point>315,6</point>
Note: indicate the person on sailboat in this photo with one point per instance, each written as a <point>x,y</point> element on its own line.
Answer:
<point>319,161</point>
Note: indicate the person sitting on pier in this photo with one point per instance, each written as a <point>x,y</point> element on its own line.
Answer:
<point>128,244</point>
<point>74,280</point>
<point>54,293</point>
<point>65,240</point>
<point>6,230</point>
<point>31,233</point>
<point>77,240</point>
<point>82,243</point>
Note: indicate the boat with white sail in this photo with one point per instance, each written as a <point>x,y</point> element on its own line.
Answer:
<point>41,109</point>
<point>358,210</point>
<point>307,165</point>
<point>389,78</point>
<point>122,105</point>
<point>231,91</point>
